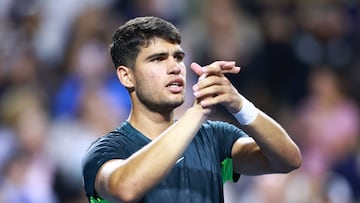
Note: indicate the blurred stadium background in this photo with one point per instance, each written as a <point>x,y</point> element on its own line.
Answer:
<point>300,63</point>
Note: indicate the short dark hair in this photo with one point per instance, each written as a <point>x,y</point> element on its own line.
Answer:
<point>136,33</point>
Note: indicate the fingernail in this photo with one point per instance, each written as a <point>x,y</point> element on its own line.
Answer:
<point>195,87</point>
<point>196,94</point>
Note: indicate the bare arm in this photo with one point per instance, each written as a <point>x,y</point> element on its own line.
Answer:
<point>128,180</point>
<point>270,149</point>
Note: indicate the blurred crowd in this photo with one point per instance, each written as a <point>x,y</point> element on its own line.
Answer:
<point>58,89</point>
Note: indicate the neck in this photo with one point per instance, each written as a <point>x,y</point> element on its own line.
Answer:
<point>150,123</point>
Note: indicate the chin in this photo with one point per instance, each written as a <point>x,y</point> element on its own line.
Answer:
<point>176,104</point>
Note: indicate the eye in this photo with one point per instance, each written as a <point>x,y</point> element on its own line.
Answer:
<point>157,59</point>
<point>179,57</point>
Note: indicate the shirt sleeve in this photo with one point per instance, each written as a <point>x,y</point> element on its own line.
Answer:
<point>227,134</point>
<point>101,151</point>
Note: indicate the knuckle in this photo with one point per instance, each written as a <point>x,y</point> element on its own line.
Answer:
<point>225,81</point>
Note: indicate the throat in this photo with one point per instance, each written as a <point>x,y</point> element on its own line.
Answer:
<point>151,125</point>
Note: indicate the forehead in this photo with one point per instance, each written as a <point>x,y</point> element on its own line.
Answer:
<point>158,45</point>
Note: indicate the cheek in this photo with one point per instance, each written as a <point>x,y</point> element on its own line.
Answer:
<point>153,79</point>
<point>149,81</point>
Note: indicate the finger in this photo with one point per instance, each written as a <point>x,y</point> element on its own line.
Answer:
<point>208,92</point>
<point>216,67</point>
<point>197,68</point>
<point>222,67</point>
<point>230,69</point>
<point>202,77</point>
<point>207,81</point>
<point>207,102</point>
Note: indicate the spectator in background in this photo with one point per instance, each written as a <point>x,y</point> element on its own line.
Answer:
<point>326,126</point>
<point>325,35</point>
<point>95,117</point>
<point>89,70</point>
<point>89,102</point>
<point>274,68</point>
<point>211,37</point>
<point>28,175</point>
<point>88,66</point>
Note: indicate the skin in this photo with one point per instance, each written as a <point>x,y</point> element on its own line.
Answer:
<point>269,150</point>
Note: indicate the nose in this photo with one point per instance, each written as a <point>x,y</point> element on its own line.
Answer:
<point>175,67</point>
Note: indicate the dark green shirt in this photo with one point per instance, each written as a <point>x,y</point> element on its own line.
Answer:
<point>197,175</point>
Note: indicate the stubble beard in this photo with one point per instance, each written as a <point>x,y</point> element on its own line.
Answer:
<point>157,103</point>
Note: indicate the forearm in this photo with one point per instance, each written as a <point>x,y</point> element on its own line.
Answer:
<point>147,167</point>
<point>270,149</point>
<point>275,144</point>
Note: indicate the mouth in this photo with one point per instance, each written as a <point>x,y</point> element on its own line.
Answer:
<point>176,85</point>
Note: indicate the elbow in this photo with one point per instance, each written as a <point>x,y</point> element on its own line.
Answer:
<point>126,197</point>
<point>124,194</point>
<point>296,160</point>
<point>287,167</point>
<point>293,162</point>
<point>293,165</point>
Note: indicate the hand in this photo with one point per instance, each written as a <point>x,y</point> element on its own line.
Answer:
<point>214,88</point>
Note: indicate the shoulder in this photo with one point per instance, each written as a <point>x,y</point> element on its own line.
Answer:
<point>108,147</point>
<point>101,146</point>
<point>114,141</point>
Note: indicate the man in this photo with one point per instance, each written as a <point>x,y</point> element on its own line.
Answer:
<point>153,158</point>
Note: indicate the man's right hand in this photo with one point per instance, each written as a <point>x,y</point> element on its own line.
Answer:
<point>216,89</point>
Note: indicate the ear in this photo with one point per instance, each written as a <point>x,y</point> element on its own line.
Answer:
<point>125,76</point>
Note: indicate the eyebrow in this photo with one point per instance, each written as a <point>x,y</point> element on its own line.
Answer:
<point>163,54</point>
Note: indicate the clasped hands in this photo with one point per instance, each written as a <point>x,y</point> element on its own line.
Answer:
<point>214,88</point>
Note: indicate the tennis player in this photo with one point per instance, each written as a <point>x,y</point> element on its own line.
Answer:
<point>151,157</point>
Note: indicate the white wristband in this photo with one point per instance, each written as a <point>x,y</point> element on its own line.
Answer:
<point>247,113</point>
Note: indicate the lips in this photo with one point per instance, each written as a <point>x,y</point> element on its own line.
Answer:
<point>175,85</point>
